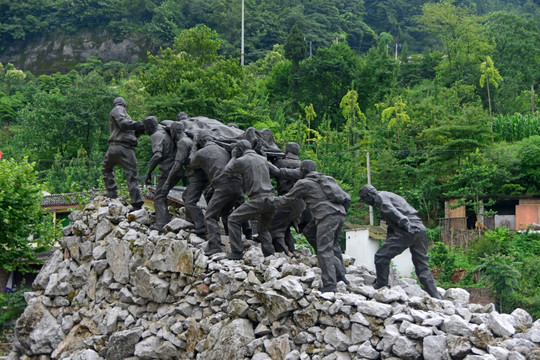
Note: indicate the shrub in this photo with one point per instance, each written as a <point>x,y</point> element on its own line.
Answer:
<point>500,272</point>
<point>12,305</point>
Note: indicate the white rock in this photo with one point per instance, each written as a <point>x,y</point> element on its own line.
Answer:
<point>501,325</point>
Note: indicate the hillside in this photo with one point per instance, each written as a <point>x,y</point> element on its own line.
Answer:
<point>45,36</point>
<point>117,290</point>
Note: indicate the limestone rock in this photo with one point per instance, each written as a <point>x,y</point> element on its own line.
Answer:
<point>150,286</point>
<point>118,255</point>
<point>338,339</point>
<point>177,224</point>
<point>140,216</point>
<point>228,341</point>
<point>172,256</point>
<point>278,348</point>
<point>49,268</point>
<point>374,308</point>
<point>405,349</point>
<point>501,325</point>
<point>290,286</point>
<point>434,347</point>
<point>458,296</point>
<point>366,351</point>
<point>276,305</point>
<point>119,290</point>
<point>37,330</point>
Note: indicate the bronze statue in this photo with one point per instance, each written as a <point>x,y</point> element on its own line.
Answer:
<point>163,155</point>
<point>227,189</point>
<point>184,144</point>
<point>122,141</point>
<point>255,173</point>
<point>328,204</point>
<point>405,230</point>
<point>280,228</point>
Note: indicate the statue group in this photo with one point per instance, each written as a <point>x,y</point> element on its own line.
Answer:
<point>233,169</point>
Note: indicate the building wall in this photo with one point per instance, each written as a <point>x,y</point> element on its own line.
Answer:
<point>526,215</point>
<point>363,248</point>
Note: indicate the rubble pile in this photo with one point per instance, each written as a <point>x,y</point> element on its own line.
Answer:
<point>118,290</point>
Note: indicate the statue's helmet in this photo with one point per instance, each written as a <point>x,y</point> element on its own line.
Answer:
<point>307,166</point>
<point>150,124</point>
<point>292,148</point>
<point>367,193</point>
<point>204,136</point>
<point>119,101</point>
<point>241,146</point>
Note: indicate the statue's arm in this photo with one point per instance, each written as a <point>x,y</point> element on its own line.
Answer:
<point>125,122</point>
<point>389,211</point>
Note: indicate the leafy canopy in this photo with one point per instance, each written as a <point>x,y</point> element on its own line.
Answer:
<point>21,216</point>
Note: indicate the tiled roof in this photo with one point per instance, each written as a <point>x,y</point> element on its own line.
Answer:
<point>46,255</point>
<point>59,200</point>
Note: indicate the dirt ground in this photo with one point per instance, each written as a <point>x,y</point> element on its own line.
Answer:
<point>480,295</point>
<point>6,337</point>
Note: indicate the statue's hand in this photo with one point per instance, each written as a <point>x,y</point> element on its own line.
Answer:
<point>148,180</point>
<point>271,201</point>
<point>413,229</point>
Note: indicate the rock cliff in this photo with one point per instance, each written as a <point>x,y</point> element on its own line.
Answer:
<point>117,290</point>
<point>62,52</point>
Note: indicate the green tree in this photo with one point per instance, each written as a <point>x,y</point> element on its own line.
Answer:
<point>295,45</point>
<point>395,114</point>
<point>514,34</point>
<point>528,151</point>
<point>24,228</point>
<point>376,73</point>
<point>295,50</point>
<point>473,182</point>
<point>355,118</point>
<point>501,273</point>
<point>191,77</point>
<point>65,120</point>
<point>490,75</point>
<point>325,78</point>
<point>310,116</point>
<point>463,37</point>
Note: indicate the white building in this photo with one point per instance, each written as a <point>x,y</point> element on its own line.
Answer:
<point>361,246</point>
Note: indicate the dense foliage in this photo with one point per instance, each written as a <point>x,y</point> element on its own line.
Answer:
<point>24,228</point>
<point>506,262</point>
<point>451,112</point>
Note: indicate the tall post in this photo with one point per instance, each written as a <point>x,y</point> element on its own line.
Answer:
<point>368,167</point>
<point>242,41</point>
<point>532,99</point>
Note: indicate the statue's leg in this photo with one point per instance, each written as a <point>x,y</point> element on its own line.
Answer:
<point>326,228</point>
<point>107,171</point>
<point>394,245</point>
<point>192,195</point>
<point>222,201</point>
<point>160,202</point>
<point>241,214</point>
<point>129,164</point>
<point>420,260</point>
<point>265,215</point>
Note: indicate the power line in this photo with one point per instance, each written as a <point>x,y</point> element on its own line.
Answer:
<point>356,149</point>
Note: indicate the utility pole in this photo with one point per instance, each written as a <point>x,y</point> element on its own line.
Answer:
<point>532,99</point>
<point>242,41</point>
<point>368,167</point>
<point>310,49</point>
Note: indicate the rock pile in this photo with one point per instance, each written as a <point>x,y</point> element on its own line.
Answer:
<point>117,291</point>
